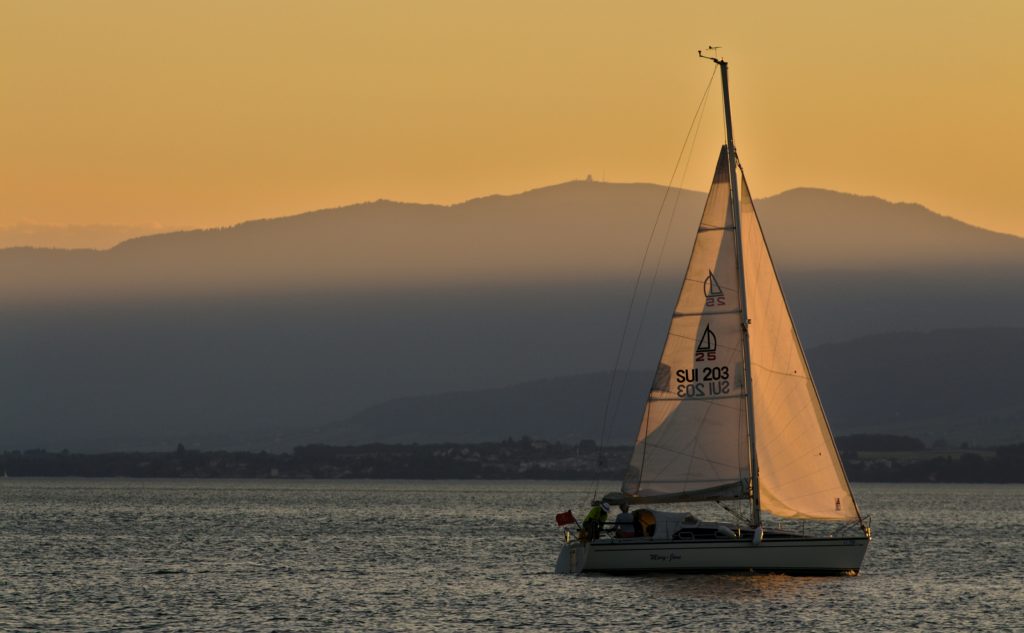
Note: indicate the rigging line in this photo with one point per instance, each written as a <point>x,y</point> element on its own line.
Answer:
<point>698,115</point>
<point>739,517</point>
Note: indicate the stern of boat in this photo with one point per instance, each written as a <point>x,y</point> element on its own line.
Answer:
<point>572,558</point>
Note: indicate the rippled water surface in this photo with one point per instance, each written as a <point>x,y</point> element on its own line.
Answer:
<point>193,555</point>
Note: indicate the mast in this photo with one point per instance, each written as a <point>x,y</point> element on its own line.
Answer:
<point>734,210</point>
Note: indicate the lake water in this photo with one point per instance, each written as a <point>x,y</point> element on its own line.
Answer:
<point>190,555</point>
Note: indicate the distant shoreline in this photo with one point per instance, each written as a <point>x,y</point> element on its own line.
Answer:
<point>72,477</point>
<point>523,459</point>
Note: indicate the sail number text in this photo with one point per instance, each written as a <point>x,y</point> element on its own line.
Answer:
<point>702,381</point>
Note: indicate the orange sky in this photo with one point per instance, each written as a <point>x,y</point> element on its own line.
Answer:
<point>209,113</point>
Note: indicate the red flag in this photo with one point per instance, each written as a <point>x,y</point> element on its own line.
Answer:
<point>565,518</point>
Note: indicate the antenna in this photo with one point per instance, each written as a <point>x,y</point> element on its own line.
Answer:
<point>713,56</point>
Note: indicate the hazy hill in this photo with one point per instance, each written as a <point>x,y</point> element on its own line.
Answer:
<point>572,232</point>
<point>71,236</point>
<point>221,336</point>
<point>567,408</point>
<point>961,385</point>
<point>957,385</point>
<point>816,229</point>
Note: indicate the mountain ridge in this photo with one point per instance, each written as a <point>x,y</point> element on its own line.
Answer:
<point>569,232</point>
<point>795,191</point>
<point>571,408</point>
<point>286,324</point>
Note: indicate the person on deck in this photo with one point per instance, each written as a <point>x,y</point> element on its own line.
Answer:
<point>595,519</point>
<point>624,526</point>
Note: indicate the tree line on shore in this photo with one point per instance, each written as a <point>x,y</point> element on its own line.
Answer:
<point>865,457</point>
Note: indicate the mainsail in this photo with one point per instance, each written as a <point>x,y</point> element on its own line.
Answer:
<point>693,442</point>
<point>693,438</point>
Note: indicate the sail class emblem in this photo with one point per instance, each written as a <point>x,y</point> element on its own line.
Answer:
<point>708,342</point>
<point>707,345</point>
<point>711,287</point>
<point>713,295</point>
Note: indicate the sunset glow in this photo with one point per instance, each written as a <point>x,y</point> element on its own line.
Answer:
<point>207,114</point>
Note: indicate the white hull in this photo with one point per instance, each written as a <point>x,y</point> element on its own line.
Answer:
<point>791,555</point>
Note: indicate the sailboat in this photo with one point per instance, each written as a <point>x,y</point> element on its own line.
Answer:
<point>733,418</point>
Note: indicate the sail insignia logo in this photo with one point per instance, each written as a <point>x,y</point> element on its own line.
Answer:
<point>707,345</point>
<point>713,295</point>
